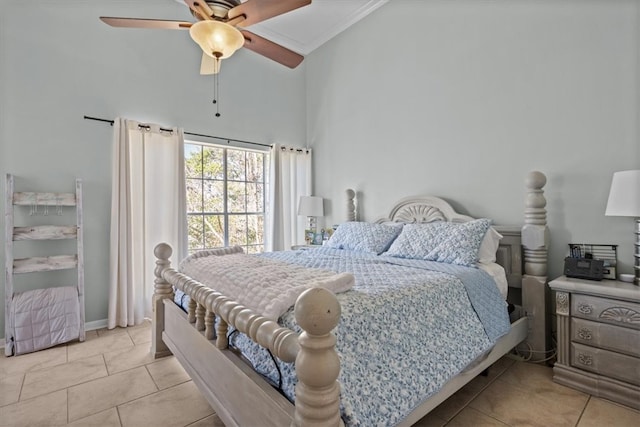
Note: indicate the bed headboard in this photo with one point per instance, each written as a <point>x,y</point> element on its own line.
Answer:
<point>423,209</point>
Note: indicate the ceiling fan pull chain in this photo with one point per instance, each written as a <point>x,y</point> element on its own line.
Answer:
<point>216,88</point>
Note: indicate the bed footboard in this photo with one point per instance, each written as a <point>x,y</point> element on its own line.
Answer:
<point>239,395</point>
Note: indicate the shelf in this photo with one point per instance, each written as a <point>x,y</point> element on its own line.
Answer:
<point>42,199</point>
<point>45,232</point>
<point>36,228</point>
<point>51,263</point>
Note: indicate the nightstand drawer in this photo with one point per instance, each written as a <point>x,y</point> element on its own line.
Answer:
<point>605,310</point>
<point>611,337</point>
<point>614,365</point>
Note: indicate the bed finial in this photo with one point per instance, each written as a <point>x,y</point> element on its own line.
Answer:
<point>351,205</point>
<point>163,251</point>
<point>317,312</point>
<point>535,236</point>
<point>162,290</point>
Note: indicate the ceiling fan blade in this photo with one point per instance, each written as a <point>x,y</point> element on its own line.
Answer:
<point>146,23</point>
<point>209,65</point>
<point>256,11</point>
<point>271,50</point>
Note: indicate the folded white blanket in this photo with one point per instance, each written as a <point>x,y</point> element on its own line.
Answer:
<point>42,318</point>
<point>267,286</point>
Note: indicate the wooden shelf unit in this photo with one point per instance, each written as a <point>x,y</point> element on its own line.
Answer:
<point>50,204</point>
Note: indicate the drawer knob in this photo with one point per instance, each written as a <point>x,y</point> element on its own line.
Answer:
<point>621,314</point>
<point>585,308</point>
<point>585,359</point>
<point>585,333</point>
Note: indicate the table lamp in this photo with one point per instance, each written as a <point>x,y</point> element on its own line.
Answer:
<point>624,200</point>
<point>311,207</point>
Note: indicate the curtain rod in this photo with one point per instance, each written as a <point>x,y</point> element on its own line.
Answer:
<point>97,119</point>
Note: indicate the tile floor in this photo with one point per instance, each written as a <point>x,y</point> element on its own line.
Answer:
<point>111,380</point>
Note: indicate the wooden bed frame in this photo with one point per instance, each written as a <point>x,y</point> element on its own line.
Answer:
<point>242,397</point>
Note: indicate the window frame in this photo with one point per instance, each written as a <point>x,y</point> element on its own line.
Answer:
<point>225,214</point>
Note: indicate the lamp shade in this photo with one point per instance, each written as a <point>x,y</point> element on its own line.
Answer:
<point>310,206</point>
<point>624,196</point>
<point>216,38</point>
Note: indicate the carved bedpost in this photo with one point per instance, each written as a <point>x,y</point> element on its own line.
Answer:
<point>535,240</point>
<point>162,290</point>
<point>317,312</point>
<point>351,205</point>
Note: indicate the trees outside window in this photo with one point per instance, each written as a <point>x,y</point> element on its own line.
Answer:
<point>225,197</point>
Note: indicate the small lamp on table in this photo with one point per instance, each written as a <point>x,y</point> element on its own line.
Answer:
<point>624,200</point>
<point>311,207</point>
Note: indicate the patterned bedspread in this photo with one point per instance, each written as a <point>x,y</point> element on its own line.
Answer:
<point>407,327</point>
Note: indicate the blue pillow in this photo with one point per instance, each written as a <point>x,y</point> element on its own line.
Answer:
<point>449,242</point>
<point>364,237</point>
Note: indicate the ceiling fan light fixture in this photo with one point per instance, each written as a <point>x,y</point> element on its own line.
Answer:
<point>216,39</point>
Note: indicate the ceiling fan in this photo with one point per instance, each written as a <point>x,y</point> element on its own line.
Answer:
<point>219,29</point>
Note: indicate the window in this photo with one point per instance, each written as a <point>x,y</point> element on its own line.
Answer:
<point>225,197</point>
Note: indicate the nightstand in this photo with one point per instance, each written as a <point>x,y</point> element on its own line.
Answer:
<point>295,247</point>
<point>599,338</point>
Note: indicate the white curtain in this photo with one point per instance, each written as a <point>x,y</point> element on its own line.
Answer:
<point>147,207</point>
<point>289,178</point>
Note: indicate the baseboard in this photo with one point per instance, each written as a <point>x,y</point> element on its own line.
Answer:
<point>89,326</point>
<point>96,324</point>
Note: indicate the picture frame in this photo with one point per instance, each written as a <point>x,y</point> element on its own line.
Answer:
<point>309,237</point>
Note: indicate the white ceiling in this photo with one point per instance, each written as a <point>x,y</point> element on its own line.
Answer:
<point>307,28</point>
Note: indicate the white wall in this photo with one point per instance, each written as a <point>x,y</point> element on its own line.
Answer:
<point>457,98</point>
<point>461,98</point>
<point>58,62</point>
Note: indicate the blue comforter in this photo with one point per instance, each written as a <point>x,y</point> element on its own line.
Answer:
<point>407,327</point>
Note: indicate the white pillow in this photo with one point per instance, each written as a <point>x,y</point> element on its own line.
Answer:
<point>489,246</point>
